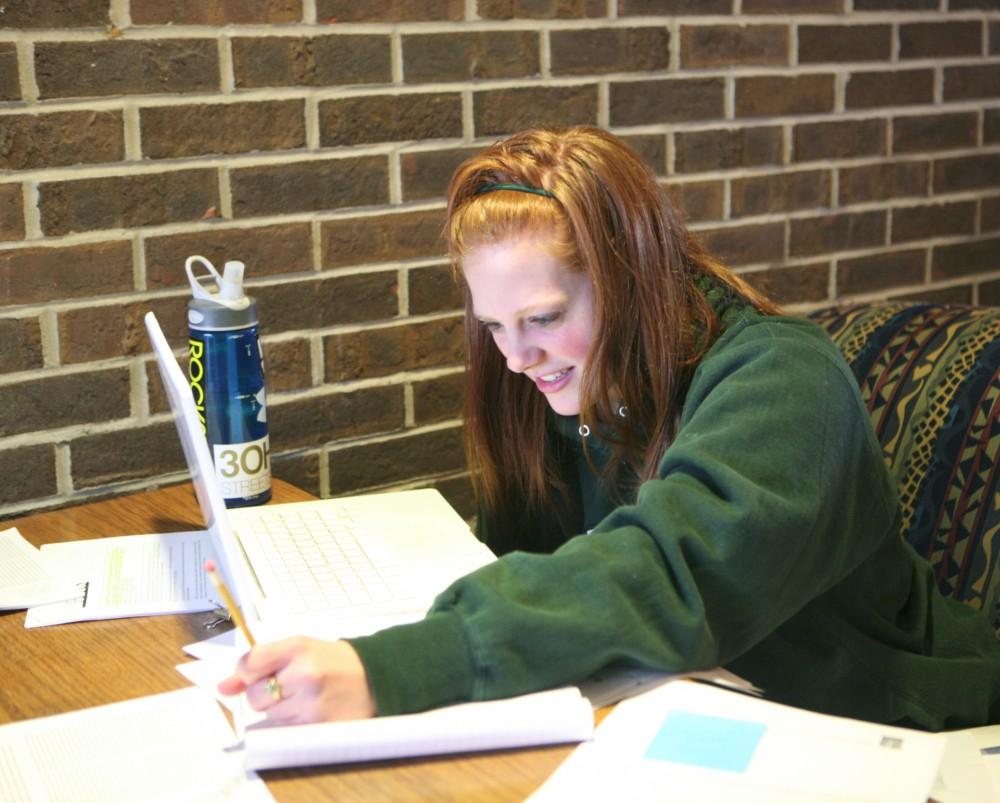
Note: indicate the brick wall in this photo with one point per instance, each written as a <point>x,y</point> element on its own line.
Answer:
<point>828,149</point>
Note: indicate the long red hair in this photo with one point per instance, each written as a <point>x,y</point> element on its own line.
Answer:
<point>609,217</point>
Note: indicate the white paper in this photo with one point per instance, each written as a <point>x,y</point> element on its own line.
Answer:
<point>970,769</point>
<point>692,741</point>
<point>24,580</point>
<point>552,717</point>
<point>166,747</point>
<point>130,575</point>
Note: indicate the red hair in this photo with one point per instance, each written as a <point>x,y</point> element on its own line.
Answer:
<point>609,217</point>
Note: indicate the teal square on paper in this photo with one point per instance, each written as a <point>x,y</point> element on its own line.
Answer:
<point>718,743</point>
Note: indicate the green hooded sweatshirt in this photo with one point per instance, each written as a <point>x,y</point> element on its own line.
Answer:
<point>768,543</point>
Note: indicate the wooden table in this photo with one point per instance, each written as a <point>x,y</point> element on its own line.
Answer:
<point>52,670</point>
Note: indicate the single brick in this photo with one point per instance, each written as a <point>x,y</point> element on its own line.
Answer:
<point>900,5</point>
<point>780,192</point>
<point>145,199</point>
<point>943,295</point>
<point>541,9</point>
<point>925,40</point>
<point>425,174</point>
<point>134,453</point>
<point>299,469</point>
<point>29,472</point>
<point>965,258</point>
<point>265,250</point>
<point>434,289</point>
<point>608,50</point>
<point>306,422</point>
<point>733,45</point>
<point>104,331</point>
<point>667,100</point>
<point>389,350</point>
<point>968,5</point>
<point>746,245</point>
<point>503,111</point>
<point>991,125</point>
<point>724,148</point>
<point>971,82</point>
<point>30,141</point>
<point>869,274</point>
<point>994,38</point>
<point>793,6</point>
<point>390,118</point>
<point>990,214</point>
<point>438,399</point>
<point>383,238</point>
<point>470,56</point>
<point>330,301</point>
<point>52,402</point>
<point>772,95</point>
<point>796,284</point>
<point>54,14</point>
<point>967,173</point>
<point>882,181</point>
<point>11,212</point>
<point>310,186</point>
<point>829,234</point>
<point>22,344</point>
<point>390,10</point>
<point>31,275</point>
<point>642,8</point>
<point>200,129</point>
<point>934,132</point>
<point>933,220</point>
<point>126,67</point>
<point>866,90</point>
<point>368,465</point>
<point>989,293</point>
<point>311,61</point>
<point>843,43</point>
<point>288,364</point>
<point>652,148</point>
<point>698,200</point>
<point>840,139</point>
<point>226,12</point>
<point>10,77</point>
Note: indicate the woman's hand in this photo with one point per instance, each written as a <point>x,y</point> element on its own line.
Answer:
<point>317,681</point>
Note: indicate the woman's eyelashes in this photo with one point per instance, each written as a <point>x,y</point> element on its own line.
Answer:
<point>545,320</point>
<point>540,321</point>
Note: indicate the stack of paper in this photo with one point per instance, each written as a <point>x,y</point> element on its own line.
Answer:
<point>164,747</point>
<point>691,741</point>
<point>24,579</point>
<point>129,575</point>
<point>551,717</point>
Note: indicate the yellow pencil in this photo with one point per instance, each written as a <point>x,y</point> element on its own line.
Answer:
<point>237,617</point>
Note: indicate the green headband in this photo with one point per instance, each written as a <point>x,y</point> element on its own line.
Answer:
<point>516,188</point>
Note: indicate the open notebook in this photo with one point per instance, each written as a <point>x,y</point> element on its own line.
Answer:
<point>331,568</point>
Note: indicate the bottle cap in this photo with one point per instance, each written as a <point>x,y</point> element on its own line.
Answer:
<point>228,288</point>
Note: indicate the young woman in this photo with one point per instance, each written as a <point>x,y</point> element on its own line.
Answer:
<point>675,475</point>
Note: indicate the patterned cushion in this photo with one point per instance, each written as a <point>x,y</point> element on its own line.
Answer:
<point>930,375</point>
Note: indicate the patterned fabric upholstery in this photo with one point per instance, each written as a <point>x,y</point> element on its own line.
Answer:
<point>930,375</point>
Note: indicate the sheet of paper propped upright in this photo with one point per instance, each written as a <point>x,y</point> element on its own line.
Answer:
<point>690,741</point>
<point>129,575</point>
<point>24,578</point>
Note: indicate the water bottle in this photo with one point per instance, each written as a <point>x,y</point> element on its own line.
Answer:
<point>226,371</point>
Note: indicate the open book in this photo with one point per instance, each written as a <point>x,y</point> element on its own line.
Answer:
<point>550,717</point>
<point>692,741</point>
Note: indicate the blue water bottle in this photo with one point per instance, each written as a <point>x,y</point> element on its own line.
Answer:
<point>226,370</point>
